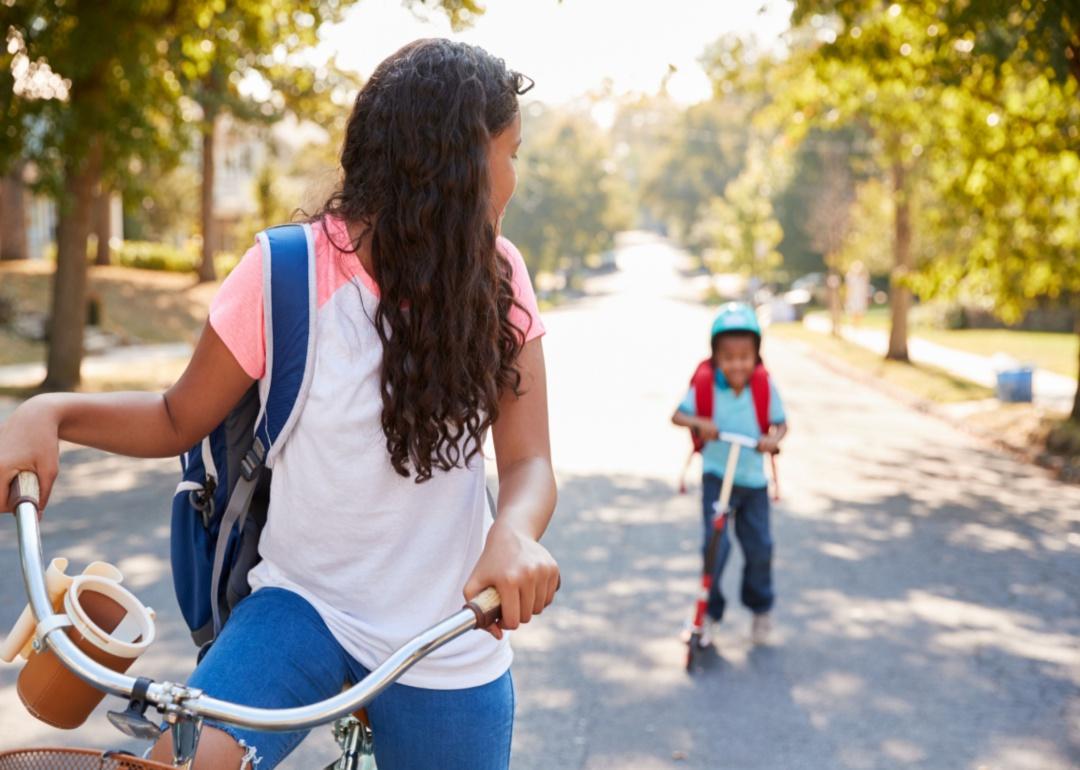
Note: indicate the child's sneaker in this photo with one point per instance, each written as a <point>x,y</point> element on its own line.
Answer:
<point>707,633</point>
<point>760,628</point>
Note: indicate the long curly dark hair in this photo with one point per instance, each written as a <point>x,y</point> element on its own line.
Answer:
<point>415,178</point>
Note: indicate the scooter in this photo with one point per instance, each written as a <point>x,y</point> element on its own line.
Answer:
<point>712,548</point>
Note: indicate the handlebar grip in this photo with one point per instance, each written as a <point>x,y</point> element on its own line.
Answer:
<point>25,489</point>
<point>486,606</point>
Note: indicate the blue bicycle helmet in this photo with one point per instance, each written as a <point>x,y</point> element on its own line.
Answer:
<point>735,317</point>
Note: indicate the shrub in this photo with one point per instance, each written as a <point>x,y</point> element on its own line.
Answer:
<point>149,255</point>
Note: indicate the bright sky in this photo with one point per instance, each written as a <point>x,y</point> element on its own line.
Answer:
<point>571,48</point>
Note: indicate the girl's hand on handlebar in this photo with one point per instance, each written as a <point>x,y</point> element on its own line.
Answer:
<point>524,573</point>
<point>29,441</point>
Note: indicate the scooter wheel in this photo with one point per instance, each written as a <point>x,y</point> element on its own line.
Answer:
<point>692,646</point>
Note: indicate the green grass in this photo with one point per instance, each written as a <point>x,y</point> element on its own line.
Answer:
<point>140,306</point>
<point>924,382</point>
<point>1054,351</point>
<point>1046,350</point>
<point>1026,429</point>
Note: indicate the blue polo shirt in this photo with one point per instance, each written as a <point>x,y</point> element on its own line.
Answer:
<point>735,414</point>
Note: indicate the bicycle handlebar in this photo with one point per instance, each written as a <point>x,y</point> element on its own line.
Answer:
<point>180,699</point>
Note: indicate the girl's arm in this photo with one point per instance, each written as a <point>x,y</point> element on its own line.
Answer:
<point>133,424</point>
<point>513,560</point>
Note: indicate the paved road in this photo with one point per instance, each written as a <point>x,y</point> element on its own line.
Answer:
<point>928,607</point>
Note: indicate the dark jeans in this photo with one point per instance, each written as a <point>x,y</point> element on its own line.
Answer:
<point>750,509</point>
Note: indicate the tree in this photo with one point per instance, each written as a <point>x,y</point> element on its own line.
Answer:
<point>739,228</point>
<point>1003,164</point>
<point>1022,228</point>
<point>829,214</point>
<point>567,205</point>
<point>94,93</point>
<point>102,225</point>
<point>885,69</point>
<point>642,124</point>
<point>78,107</point>
<point>225,45</point>
<point>870,214</point>
<point>800,251</point>
<point>703,154</point>
<point>812,207</point>
<point>13,240</point>
<point>1011,180</point>
<point>1045,33</point>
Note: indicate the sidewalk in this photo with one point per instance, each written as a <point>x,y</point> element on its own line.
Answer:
<point>109,362</point>
<point>1051,390</point>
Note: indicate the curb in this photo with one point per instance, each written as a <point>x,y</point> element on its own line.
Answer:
<point>1063,469</point>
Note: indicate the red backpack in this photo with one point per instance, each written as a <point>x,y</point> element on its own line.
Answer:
<point>702,383</point>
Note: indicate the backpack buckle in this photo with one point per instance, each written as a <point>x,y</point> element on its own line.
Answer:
<point>202,500</point>
<point>253,460</point>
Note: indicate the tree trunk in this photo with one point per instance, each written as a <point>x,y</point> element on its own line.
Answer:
<point>103,226</point>
<point>832,291</point>
<point>13,240</point>
<point>1074,416</point>
<point>899,293</point>
<point>68,317</point>
<point>209,235</point>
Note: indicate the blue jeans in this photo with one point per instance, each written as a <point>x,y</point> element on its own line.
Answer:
<point>275,651</point>
<point>750,507</point>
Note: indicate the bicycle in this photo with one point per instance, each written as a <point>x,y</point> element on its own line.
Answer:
<point>184,708</point>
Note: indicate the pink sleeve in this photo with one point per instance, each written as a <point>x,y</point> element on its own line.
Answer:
<point>236,313</point>
<point>528,321</point>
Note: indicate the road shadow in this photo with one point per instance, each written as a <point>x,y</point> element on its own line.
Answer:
<point>926,618</point>
<point>935,627</point>
<point>113,509</point>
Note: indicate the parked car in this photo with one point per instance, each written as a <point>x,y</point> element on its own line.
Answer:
<point>814,284</point>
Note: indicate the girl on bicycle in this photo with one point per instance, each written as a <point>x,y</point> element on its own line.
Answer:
<point>428,335</point>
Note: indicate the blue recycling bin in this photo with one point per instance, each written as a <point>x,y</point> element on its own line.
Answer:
<point>1014,385</point>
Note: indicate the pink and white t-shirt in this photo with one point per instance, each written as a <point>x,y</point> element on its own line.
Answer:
<point>379,556</point>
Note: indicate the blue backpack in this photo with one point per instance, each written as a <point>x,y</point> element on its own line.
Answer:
<point>220,505</point>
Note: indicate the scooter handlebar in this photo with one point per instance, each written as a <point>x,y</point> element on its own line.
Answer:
<point>738,438</point>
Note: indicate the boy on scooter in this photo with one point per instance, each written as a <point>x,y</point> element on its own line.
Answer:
<point>731,391</point>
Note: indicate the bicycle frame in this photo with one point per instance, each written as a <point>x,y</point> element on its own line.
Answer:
<point>185,707</point>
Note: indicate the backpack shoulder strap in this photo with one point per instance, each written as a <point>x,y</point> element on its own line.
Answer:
<point>760,391</point>
<point>289,309</point>
<point>702,382</point>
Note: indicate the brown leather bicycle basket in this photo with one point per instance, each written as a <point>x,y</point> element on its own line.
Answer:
<point>74,759</point>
